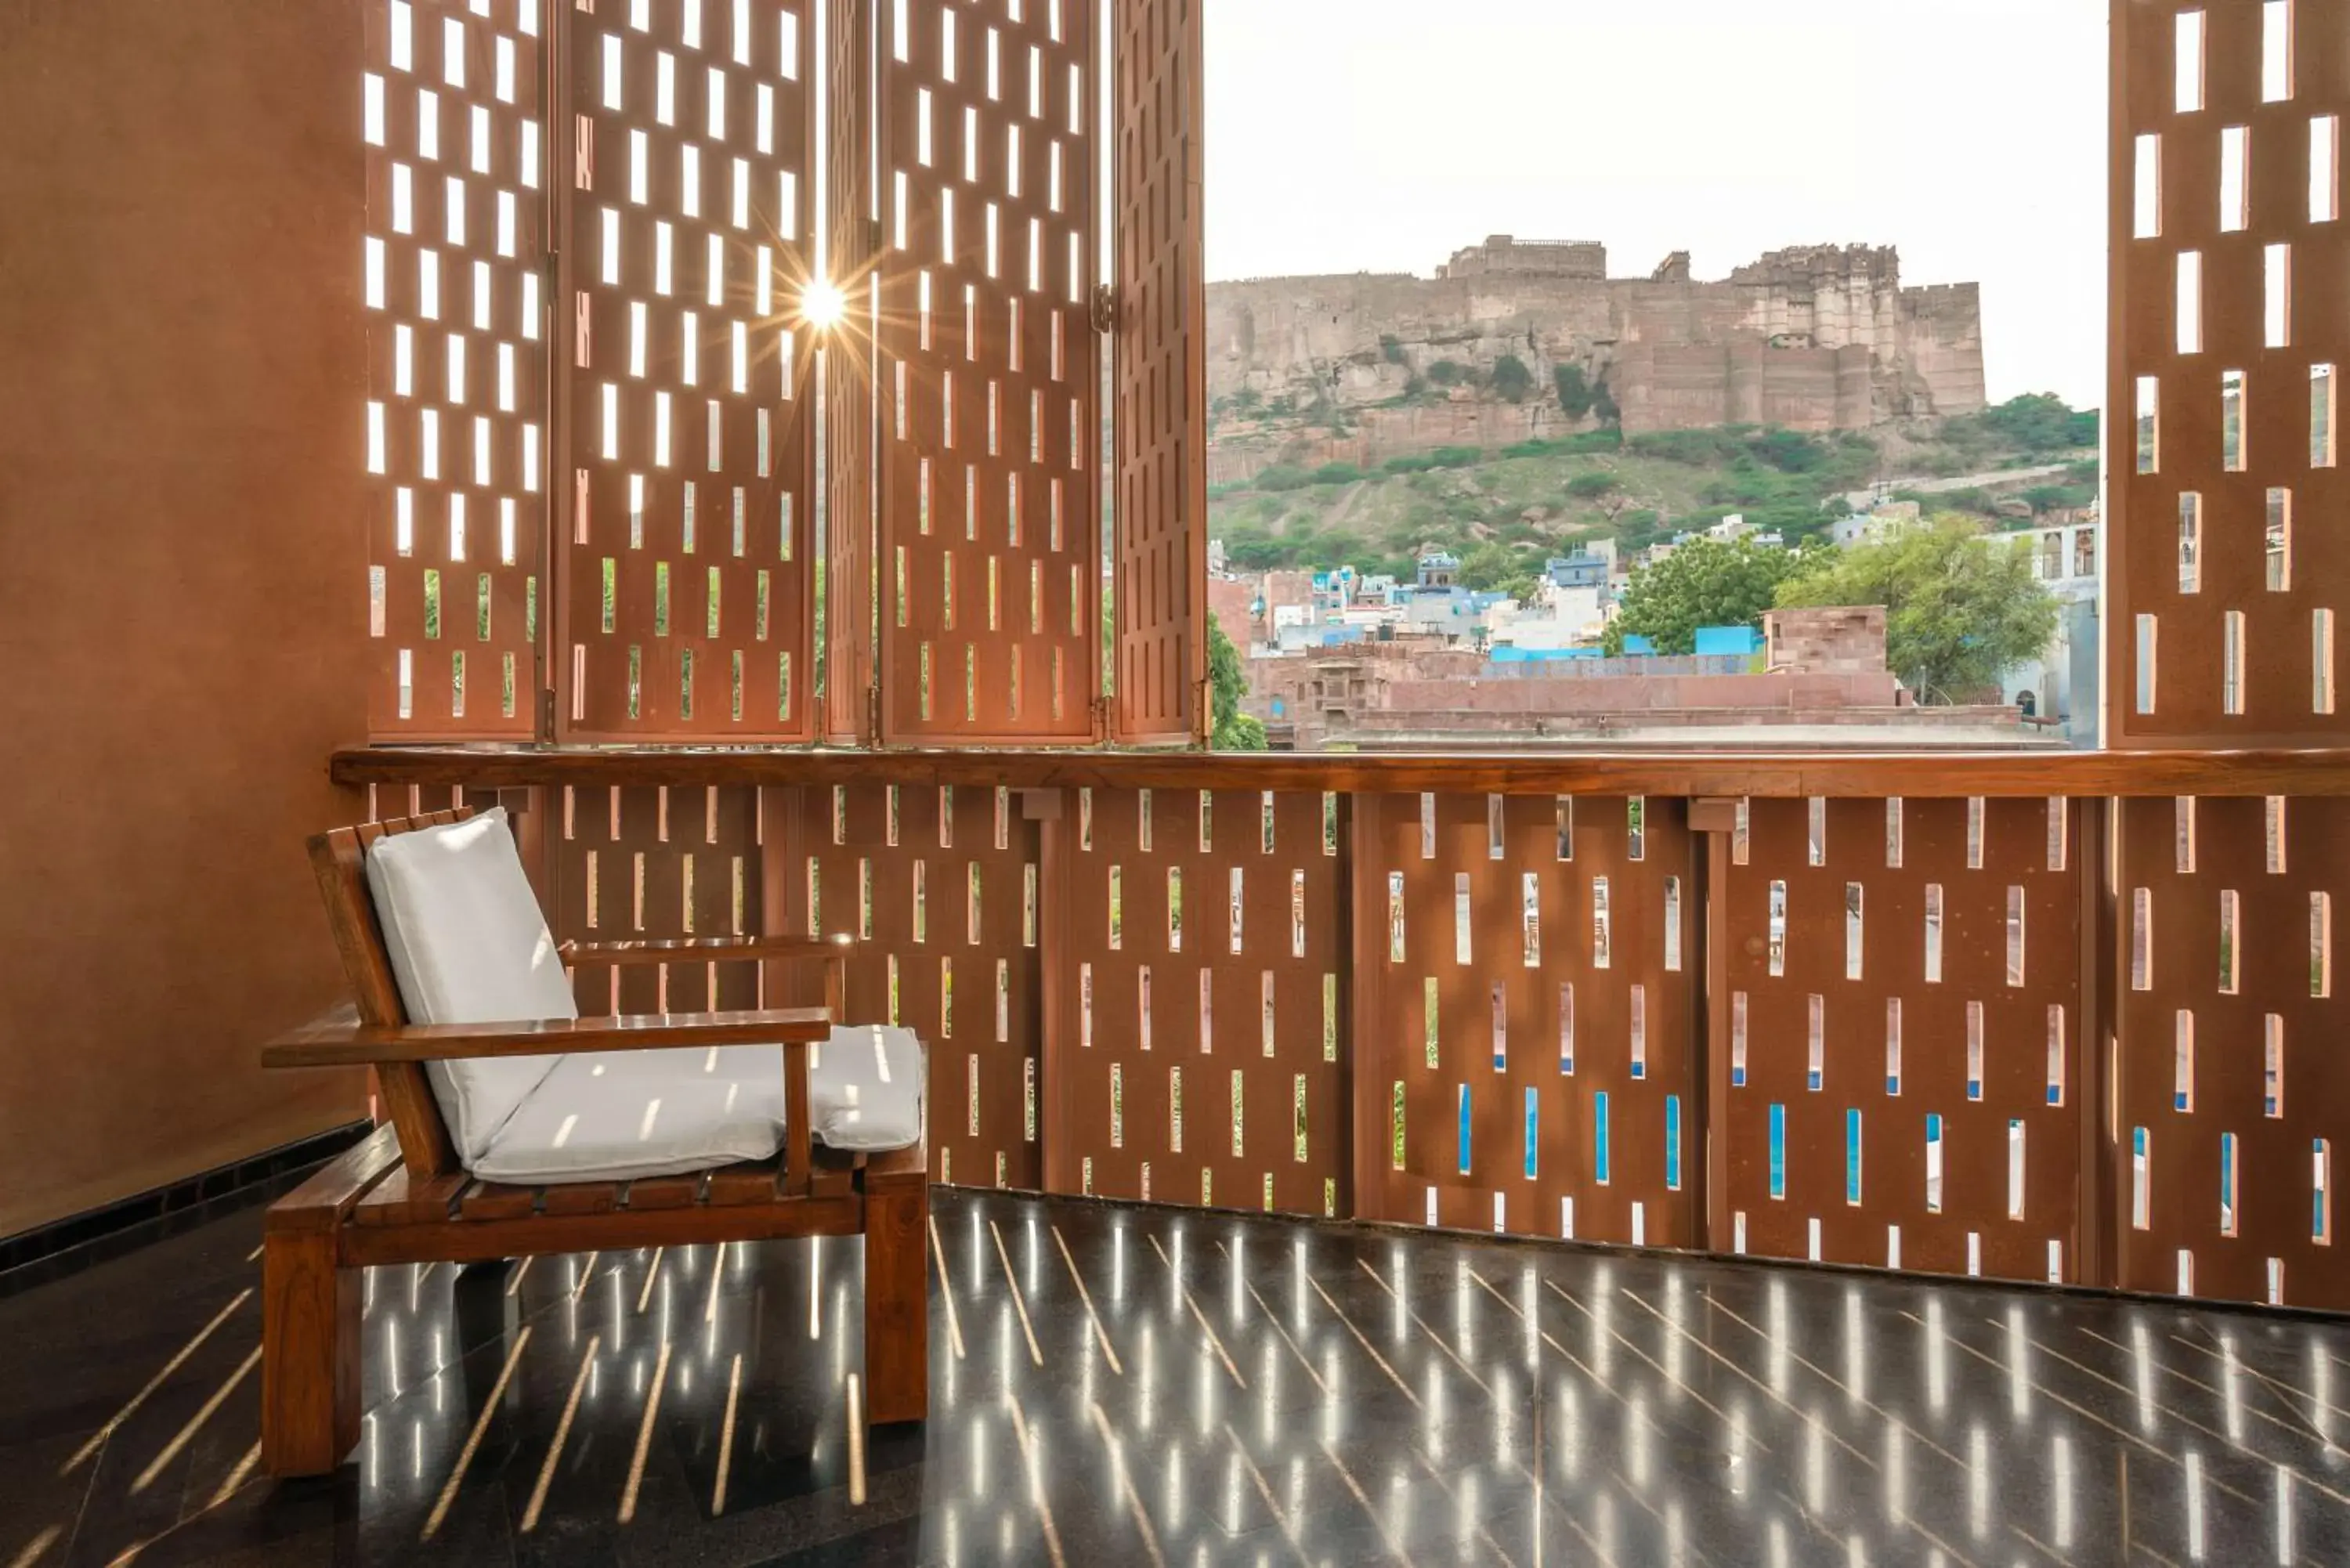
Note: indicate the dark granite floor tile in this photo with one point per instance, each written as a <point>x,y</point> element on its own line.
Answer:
<point>1218,1387</point>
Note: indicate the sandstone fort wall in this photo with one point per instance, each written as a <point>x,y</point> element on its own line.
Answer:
<point>1816,339</point>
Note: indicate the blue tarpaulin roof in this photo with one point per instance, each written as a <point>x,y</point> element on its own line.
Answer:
<point>1508,654</point>
<point>1727,641</point>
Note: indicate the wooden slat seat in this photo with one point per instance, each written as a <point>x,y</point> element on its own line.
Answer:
<point>404,1197</point>
<point>749,1183</point>
<point>495,1201</point>
<point>580,1198</point>
<point>663,1192</point>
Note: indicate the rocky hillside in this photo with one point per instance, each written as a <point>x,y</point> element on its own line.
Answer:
<point>1506,509</point>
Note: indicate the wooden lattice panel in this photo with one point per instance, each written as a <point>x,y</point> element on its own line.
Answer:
<point>1530,966</point>
<point>456,168</point>
<point>851,625</point>
<point>2231,1076</point>
<point>2230,336</point>
<point>989,508</point>
<point>656,865</point>
<point>1902,982</point>
<point>939,886</point>
<point>689,598</point>
<point>1162,371</point>
<point>1202,999</point>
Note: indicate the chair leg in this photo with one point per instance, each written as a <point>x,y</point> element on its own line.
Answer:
<point>310,1355</point>
<point>897,1306</point>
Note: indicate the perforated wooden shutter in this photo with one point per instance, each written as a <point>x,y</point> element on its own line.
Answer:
<point>454,123</point>
<point>1161,414</point>
<point>688,604</point>
<point>850,630</point>
<point>989,446</point>
<point>2230,336</point>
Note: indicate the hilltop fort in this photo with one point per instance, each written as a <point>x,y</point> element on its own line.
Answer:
<point>1364,365</point>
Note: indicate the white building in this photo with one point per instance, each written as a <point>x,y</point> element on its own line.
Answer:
<point>2068,559</point>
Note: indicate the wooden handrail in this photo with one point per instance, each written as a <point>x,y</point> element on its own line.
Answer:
<point>707,950</point>
<point>337,1039</point>
<point>1785,774</point>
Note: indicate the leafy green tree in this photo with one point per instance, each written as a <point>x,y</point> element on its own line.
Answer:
<point>1522,586</point>
<point>1511,379</point>
<point>1592,486</point>
<point>1789,452</point>
<point>2040,421</point>
<point>1958,609</point>
<point>1490,569</point>
<point>1704,583</point>
<point>1233,730</point>
<point>1450,373</point>
<point>1634,529</point>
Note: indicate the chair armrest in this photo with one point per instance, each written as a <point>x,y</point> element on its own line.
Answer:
<point>710,950</point>
<point>339,1040</point>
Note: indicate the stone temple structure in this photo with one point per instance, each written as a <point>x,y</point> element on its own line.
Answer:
<point>1816,339</point>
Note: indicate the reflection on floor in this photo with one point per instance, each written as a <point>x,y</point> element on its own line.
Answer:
<point>1149,1387</point>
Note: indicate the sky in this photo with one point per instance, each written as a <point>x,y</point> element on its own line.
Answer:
<point>1383,135</point>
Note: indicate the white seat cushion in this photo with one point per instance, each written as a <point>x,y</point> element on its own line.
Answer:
<point>622,1115</point>
<point>468,945</point>
<point>866,1089</point>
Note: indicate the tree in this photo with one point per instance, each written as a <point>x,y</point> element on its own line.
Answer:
<point>1704,583</point>
<point>1958,609</point>
<point>1592,486</point>
<point>1234,730</point>
<point>1511,379</point>
<point>2040,421</point>
<point>1522,586</point>
<point>1486,568</point>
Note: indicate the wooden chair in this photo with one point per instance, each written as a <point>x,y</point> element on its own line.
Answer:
<point>403,1196</point>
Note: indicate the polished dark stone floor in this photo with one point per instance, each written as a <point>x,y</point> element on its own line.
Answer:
<point>1115,1386</point>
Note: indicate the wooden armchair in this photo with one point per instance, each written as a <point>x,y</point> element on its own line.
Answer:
<point>406,1194</point>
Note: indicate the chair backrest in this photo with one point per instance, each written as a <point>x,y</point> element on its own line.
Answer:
<point>338,859</point>
<point>468,944</point>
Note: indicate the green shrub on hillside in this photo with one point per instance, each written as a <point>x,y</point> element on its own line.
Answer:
<point>1511,379</point>
<point>1576,394</point>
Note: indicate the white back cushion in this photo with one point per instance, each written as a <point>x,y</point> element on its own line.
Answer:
<point>468,945</point>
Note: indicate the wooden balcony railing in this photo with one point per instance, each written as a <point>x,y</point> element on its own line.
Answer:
<point>2042,1017</point>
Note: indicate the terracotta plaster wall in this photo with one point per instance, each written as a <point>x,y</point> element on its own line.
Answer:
<point>181,576</point>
